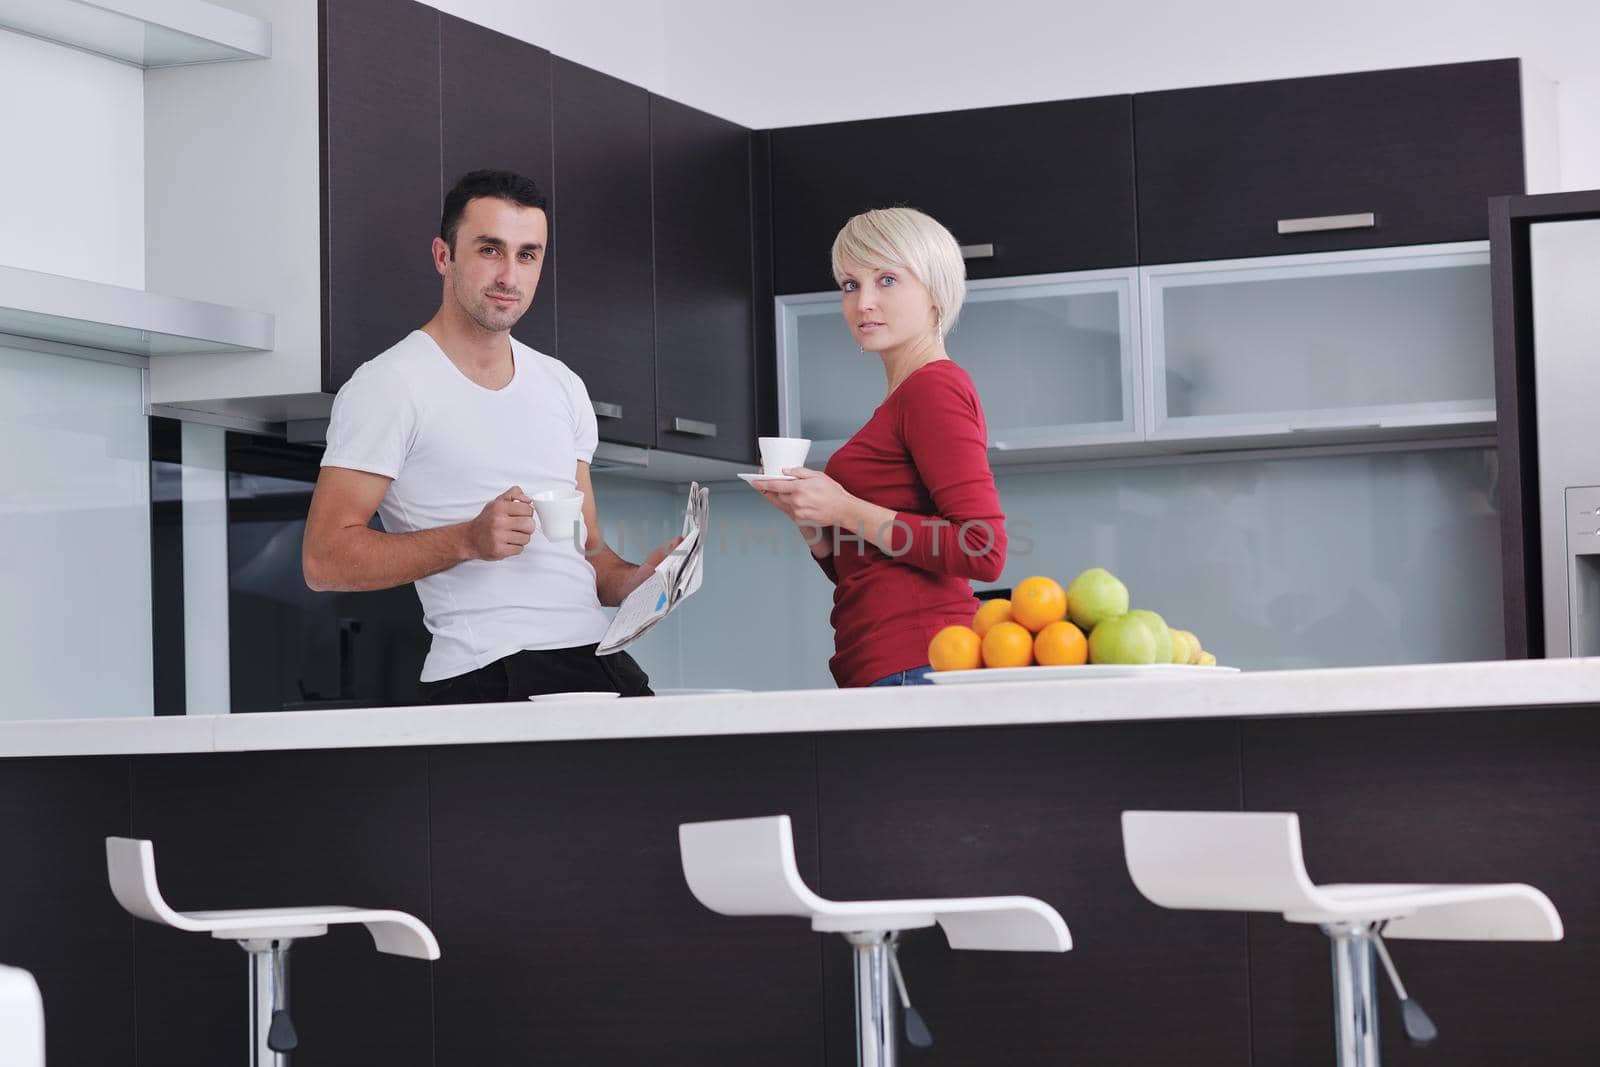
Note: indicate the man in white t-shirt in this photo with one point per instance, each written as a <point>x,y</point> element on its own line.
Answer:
<point>445,436</point>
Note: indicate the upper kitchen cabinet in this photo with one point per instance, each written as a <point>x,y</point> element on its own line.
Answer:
<point>601,229</point>
<point>705,373</point>
<point>380,154</point>
<point>1055,359</point>
<point>1029,189</point>
<point>1306,349</point>
<point>1395,157</point>
<point>497,115</point>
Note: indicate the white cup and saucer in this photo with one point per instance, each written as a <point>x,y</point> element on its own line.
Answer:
<point>778,454</point>
<point>560,514</point>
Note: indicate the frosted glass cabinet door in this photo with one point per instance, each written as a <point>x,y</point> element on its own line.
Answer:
<point>1054,358</point>
<point>1351,341</point>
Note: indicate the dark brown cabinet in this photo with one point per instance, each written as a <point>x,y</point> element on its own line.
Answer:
<point>705,378</point>
<point>605,324</point>
<point>497,114</point>
<point>652,233</point>
<point>380,170</point>
<point>1420,149</point>
<point>1049,186</point>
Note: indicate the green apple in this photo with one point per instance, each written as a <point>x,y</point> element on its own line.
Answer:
<point>1094,595</point>
<point>1122,639</point>
<point>1158,627</point>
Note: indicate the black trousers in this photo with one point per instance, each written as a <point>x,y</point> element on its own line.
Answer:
<point>531,673</point>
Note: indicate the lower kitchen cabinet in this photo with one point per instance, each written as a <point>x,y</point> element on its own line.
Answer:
<point>1490,796</point>
<point>60,921</point>
<point>1037,812</point>
<point>276,829</point>
<point>551,874</point>
<point>569,934</point>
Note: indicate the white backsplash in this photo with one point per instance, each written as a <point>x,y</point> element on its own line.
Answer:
<point>75,528</point>
<point>1334,560</point>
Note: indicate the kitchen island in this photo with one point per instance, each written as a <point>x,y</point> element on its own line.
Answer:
<point>539,841</point>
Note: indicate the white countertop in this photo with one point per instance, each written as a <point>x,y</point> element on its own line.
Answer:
<point>1424,688</point>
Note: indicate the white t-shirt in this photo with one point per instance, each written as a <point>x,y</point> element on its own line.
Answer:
<point>452,446</point>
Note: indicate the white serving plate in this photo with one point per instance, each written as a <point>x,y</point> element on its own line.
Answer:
<point>1087,671</point>
<point>562,698</point>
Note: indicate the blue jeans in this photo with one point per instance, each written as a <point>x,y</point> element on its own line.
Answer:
<point>914,676</point>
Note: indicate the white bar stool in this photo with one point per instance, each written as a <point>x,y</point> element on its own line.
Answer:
<point>265,934</point>
<point>1251,861</point>
<point>747,867</point>
<point>21,1019</point>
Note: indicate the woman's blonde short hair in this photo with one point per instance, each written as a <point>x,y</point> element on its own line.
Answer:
<point>905,237</point>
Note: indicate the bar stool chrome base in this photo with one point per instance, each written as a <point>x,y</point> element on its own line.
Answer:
<point>876,1014</point>
<point>1355,994</point>
<point>272,1035</point>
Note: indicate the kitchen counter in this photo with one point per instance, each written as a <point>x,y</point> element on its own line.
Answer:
<point>540,843</point>
<point>1421,688</point>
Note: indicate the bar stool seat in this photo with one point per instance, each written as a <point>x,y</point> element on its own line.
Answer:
<point>1252,861</point>
<point>21,1019</point>
<point>265,933</point>
<point>746,867</point>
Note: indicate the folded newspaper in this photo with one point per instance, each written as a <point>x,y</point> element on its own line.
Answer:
<point>675,578</point>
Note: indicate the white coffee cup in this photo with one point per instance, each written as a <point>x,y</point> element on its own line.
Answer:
<point>778,454</point>
<point>560,513</point>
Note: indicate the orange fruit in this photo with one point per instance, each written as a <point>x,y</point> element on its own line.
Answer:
<point>1061,644</point>
<point>989,613</point>
<point>955,648</point>
<point>1007,644</point>
<point>1037,602</point>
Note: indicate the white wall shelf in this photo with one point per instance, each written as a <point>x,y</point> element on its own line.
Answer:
<point>143,33</point>
<point>70,311</point>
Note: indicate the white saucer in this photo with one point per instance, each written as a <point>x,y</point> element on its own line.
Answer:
<point>557,698</point>
<point>753,478</point>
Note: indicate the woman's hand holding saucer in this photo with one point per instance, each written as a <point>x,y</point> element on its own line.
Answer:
<point>812,498</point>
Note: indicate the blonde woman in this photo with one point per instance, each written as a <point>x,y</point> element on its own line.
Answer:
<point>906,512</point>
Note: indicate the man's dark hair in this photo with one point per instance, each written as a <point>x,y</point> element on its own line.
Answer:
<point>504,184</point>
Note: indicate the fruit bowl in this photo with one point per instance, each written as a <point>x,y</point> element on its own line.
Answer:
<point>1084,672</point>
<point>1086,628</point>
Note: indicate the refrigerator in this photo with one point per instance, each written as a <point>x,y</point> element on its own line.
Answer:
<point>1545,265</point>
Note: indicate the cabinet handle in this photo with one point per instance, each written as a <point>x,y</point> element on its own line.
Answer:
<point>694,428</point>
<point>602,410</point>
<point>1322,223</point>
<point>977,251</point>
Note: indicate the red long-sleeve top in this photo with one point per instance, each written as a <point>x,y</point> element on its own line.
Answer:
<point>923,454</point>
